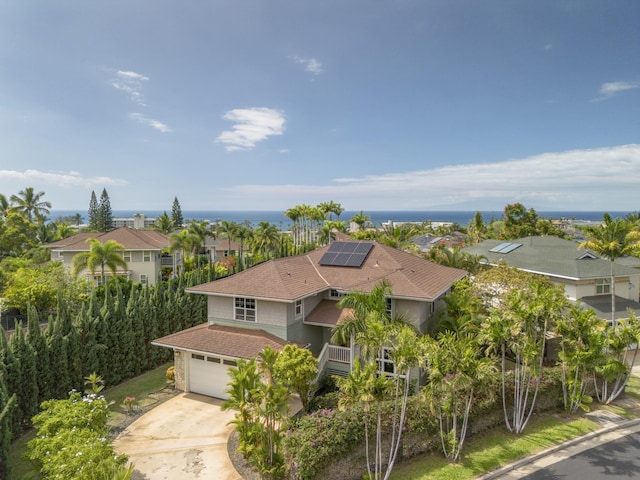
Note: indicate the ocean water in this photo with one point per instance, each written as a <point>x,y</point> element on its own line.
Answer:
<point>281,221</point>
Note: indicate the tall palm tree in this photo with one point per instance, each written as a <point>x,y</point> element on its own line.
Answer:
<point>100,255</point>
<point>265,239</point>
<point>30,204</point>
<point>229,230</point>
<point>331,207</point>
<point>613,239</point>
<point>184,242</point>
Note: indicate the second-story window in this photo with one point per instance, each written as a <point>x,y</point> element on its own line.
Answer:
<point>298,308</point>
<point>389,308</point>
<point>245,309</point>
<point>126,256</point>
<point>146,256</point>
<point>603,286</point>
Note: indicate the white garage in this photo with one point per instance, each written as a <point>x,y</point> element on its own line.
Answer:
<point>204,354</point>
<point>209,375</point>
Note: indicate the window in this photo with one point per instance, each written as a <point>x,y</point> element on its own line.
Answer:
<point>231,363</point>
<point>603,285</point>
<point>146,256</point>
<point>245,309</point>
<point>197,357</point>
<point>126,256</point>
<point>298,308</point>
<point>385,364</point>
<point>144,279</point>
<point>389,308</point>
<point>333,293</point>
<point>213,359</point>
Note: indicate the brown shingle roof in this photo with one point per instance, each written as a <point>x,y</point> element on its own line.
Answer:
<point>234,342</point>
<point>130,238</point>
<point>327,313</point>
<point>292,278</point>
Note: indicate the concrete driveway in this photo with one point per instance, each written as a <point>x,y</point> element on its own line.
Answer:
<point>184,437</point>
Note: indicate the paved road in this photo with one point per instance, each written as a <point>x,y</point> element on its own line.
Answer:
<point>617,459</point>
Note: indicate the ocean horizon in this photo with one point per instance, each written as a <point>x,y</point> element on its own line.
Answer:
<point>278,218</point>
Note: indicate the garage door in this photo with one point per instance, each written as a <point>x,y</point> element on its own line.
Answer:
<point>208,375</point>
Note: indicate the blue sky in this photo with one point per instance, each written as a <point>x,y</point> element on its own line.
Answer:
<point>374,104</point>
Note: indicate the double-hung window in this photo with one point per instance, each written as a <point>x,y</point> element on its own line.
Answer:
<point>146,256</point>
<point>603,286</point>
<point>385,363</point>
<point>245,309</point>
<point>298,308</point>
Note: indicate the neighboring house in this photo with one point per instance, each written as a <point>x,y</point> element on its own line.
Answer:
<point>217,249</point>
<point>144,252</point>
<point>583,274</point>
<point>294,299</point>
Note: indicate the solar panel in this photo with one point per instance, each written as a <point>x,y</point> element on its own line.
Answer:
<point>346,254</point>
<point>497,249</point>
<point>505,247</point>
<point>510,248</point>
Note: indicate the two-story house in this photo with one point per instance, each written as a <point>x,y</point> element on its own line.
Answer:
<point>145,252</point>
<point>294,299</point>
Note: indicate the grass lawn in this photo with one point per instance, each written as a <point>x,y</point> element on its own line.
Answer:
<point>495,448</point>
<point>139,387</point>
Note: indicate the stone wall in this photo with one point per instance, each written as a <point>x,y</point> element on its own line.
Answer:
<point>178,362</point>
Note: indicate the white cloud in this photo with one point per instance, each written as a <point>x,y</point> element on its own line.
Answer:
<point>598,179</point>
<point>70,179</point>
<point>609,89</point>
<point>311,65</point>
<point>130,83</point>
<point>140,118</point>
<point>252,126</point>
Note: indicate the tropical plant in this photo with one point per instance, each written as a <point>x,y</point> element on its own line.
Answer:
<point>164,223</point>
<point>457,370</point>
<point>360,219</point>
<point>71,440</point>
<point>517,331</point>
<point>100,255</point>
<point>582,347</point>
<point>30,204</point>
<point>613,239</point>
<point>296,368</point>
<point>613,372</point>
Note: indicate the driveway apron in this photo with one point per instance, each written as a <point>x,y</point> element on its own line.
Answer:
<point>183,438</point>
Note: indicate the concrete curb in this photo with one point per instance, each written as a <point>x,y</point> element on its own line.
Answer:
<point>556,448</point>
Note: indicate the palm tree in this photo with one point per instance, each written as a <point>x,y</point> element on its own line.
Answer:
<point>100,255</point>
<point>265,239</point>
<point>164,223</point>
<point>30,204</point>
<point>457,370</point>
<point>229,230</point>
<point>184,242</point>
<point>331,207</point>
<point>360,219</point>
<point>613,239</point>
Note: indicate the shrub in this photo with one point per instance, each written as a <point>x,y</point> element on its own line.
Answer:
<point>171,373</point>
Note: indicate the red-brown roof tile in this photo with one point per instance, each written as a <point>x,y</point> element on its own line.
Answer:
<point>292,278</point>
<point>234,342</point>
<point>130,238</point>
